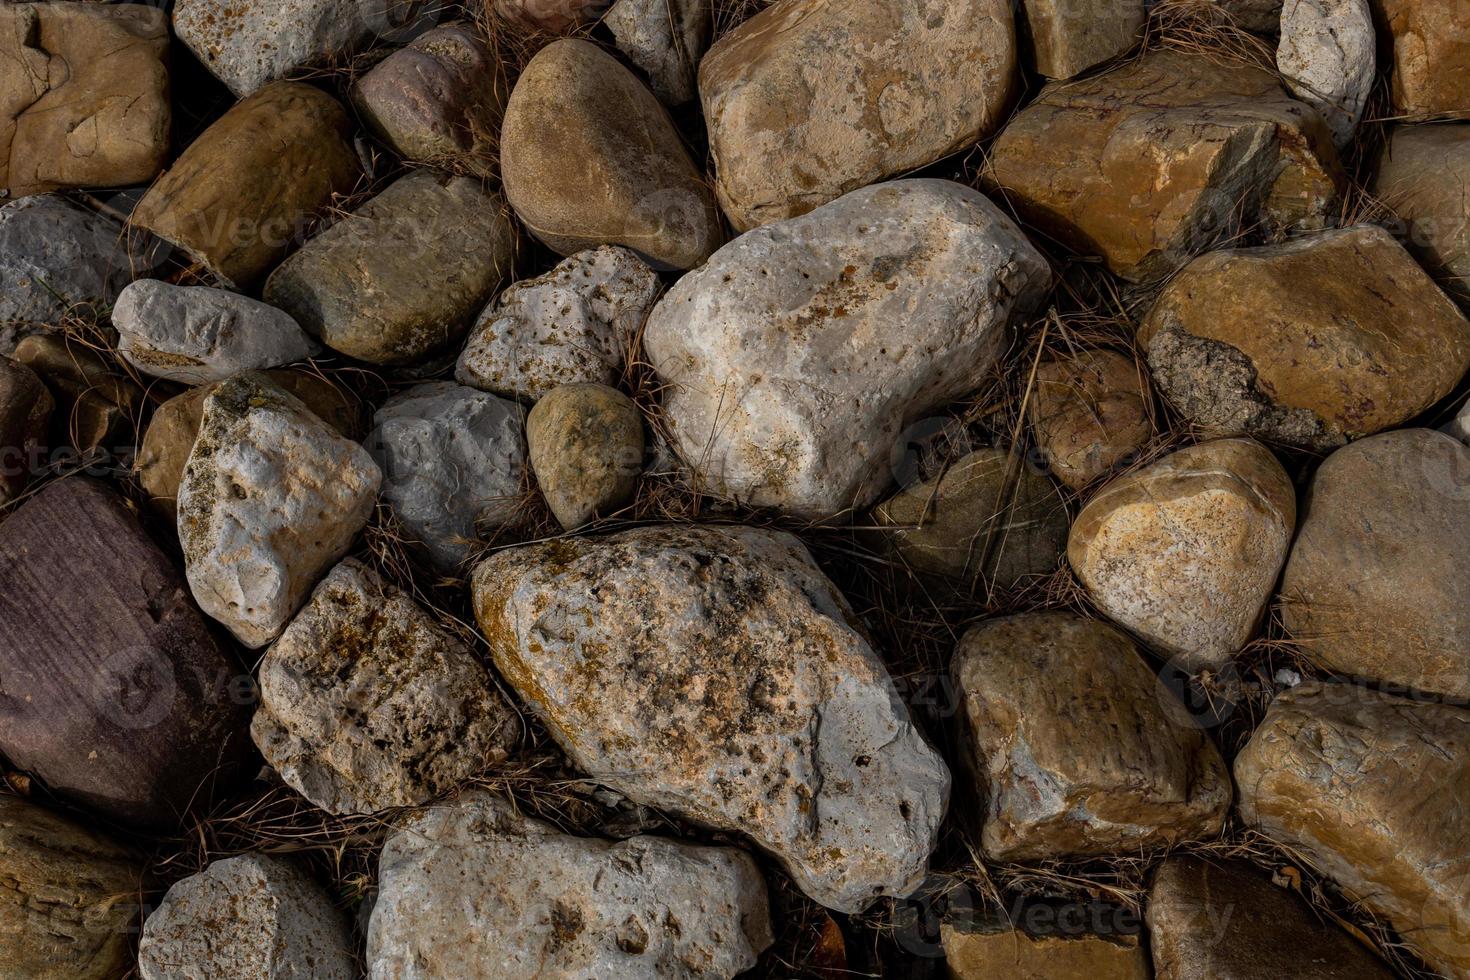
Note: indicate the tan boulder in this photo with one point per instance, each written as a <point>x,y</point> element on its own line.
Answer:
<point>1089,412</point>
<point>1016,954</point>
<point>1070,36</point>
<point>1424,176</point>
<point>1431,55</point>
<point>809,100</point>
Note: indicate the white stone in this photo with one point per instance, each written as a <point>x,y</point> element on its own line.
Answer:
<point>796,355</point>
<point>1328,55</point>
<point>666,38</point>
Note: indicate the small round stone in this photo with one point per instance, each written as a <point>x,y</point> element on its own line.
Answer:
<point>586,446</point>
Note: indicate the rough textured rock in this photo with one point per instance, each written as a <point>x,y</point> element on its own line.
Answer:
<point>713,672</point>
<point>271,497</point>
<point>195,334</point>
<point>25,412</point>
<point>1089,412</point>
<point>83,95</point>
<point>636,184</point>
<point>55,256</point>
<point>225,200</point>
<point>1328,54</point>
<point>1424,176</point>
<point>1260,16</point>
<point>666,38</point>
<point>1077,748</point>
<point>402,276</point>
<point>1163,157</point>
<point>95,401</point>
<point>476,890</point>
<point>586,449</point>
<point>70,899</point>
<point>555,16</point>
<point>808,100</point>
<point>1186,552</point>
<point>1431,55</point>
<point>1375,791</point>
<point>112,688</point>
<point>247,916</point>
<point>1326,338</point>
<point>1226,921</point>
<point>573,325</point>
<point>1070,36</point>
<point>1378,583</point>
<point>789,383</point>
<point>1016,954</point>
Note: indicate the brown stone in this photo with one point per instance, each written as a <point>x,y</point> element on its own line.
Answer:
<point>553,16</point>
<point>1424,176</point>
<point>1070,36</point>
<point>1015,954</point>
<point>1089,412</point>
<point>25,411</point>
<point>586,448</point>
<point>1374,790</point>
<point>95,401</point>
<point>1431,54</point>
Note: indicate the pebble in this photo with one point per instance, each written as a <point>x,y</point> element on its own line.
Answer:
<point>586,449</point>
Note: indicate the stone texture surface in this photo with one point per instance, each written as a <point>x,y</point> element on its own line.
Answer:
<point>1328,54</point>
<point>84,98</point>
<point>665,38</point>
<point>554,16</point>
<point>1431,55</point>
<point>247,916</point>
<point>1375,791</point>
<point>574,325</point>
<point>1186,552</point>
<point>112,687</point>
<point>586,448</point>
<point>453,460</point>
<point>25,413</point>
<point>636,184</point>
<point>809,100</point>
<point>54,256</point>
<point>271,497</point>
<point>1015,954</point>
<point>95,401</point>
<point>1424,176</point>
<point>474,889</point>
<point>789,384</point>
<point>400,278</point>
<point>1090,412</point>
<point>1070,36</point>
<point>1326,338</point>
<point>1162,157</point>
<point>713,672</point>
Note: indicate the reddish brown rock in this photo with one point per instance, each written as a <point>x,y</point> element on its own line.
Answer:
<point>1090,412</point>
<point>95,401</point>
<point>25,410</point>
<point>1431,55</point>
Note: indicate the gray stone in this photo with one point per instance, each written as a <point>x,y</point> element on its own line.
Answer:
<point>586,449</point>
<point>1070,36</point>
<point>1328,56</point>
<point>666,38</point>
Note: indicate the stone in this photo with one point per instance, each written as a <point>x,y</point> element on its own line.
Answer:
<point>586,449</point>
<point>1374,791</point>
<point>1090,412</point>
<point>1017,954</point>
<point>25,413</point>
<point>1163,157</point>
<point>552,16</point>
<point>1326,338</point>
<point>55,256</point>
<point>271,498</point>
<point>1259,16</point>
<point>84,98</point>
<point>439,100</point>
<point>247,190</point>
<point>247,916</point>
<point>400,279</point>
<point>96,402</point>
<point>474,889</point>
<point>196,334</point>
<point>788,384</point>
<point>70,900</point>
<point>807,100</point>
<point>990,521</point>
<point>1185,552</point>
<point>665,38</point>
<point>636,184</point>
<point>1378,584</point>
<point>574,325</point>
<point>1070,36</point>
<point>716,674</point>
<point>1213,920</point>
<point>1431,55</point>
<point>1424,177</point>
<point>1328,55</point>
<point>113,689</point>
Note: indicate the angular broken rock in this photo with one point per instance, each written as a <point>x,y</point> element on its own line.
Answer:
<point>474,889</point>
<point>401,277</point>
<point>1090,411</point>
<point>573,325</point>
<point>586,449</point>
<point>25,412</point>
<point>83,95</point>
<point>1424,177</point>
<point>1324,339</point>
<point>271,497</point>
<point>1186,552</point>
<point>95,400</point>
<point>1328,55</point>
<point>988,951</point>
<point>666,38</point>
<point>1070,36</point>
<point>1374,790</point>
<point>789,385</point>
<point>714,672</point>
<point>1431,55</point>
<point>247,916</point>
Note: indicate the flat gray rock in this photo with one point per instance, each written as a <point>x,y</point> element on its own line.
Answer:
<point>666,38</point>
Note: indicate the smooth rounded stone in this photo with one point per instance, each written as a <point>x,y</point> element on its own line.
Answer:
<point>438,100</point>
<point>713,672</point>
<point>1186,552</point>
<point>991,953</point>
<point>1328,56</point>
<point>271,498</point>
<point>1227,921</point>
<point>55,256</point>
<point>1378,583</point>
<point>247,916</point>
<point>1070,36</point>
<point>586,449</point>
<point>788,382</point>
<point>989,520</point>
<point>247,190</point>
<point>70,900</point>
<point>474,889</point>
<point>1162,158</point>
<point>665,38</point>
<point>96,402</point>
<point>195,334</point>
<point>1327,338</point>
<point>1431,55</point>
<point>1090,413</point>
<point>453,461</point>
<point>84,96</point>
<point>636,184</point>
<point>553,16</point>
<point>400,279</point>
<point>25,413</point>
<point>1373,790</point>
<point>1424,177</point>
<point>573,325</point>
<point>115,692</point>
